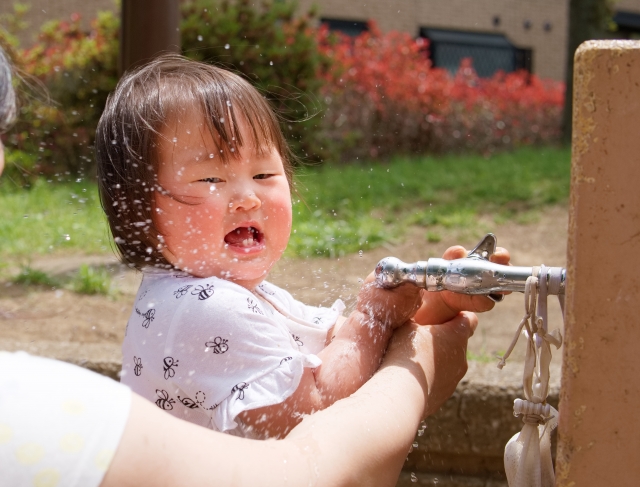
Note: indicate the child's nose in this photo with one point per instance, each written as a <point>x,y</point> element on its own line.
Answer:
<point>245,201</point>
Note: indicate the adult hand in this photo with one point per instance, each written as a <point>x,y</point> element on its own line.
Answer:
<point>440,307</point>
<point>435,354</point>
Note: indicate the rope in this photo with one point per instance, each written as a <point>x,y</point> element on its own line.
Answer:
<point>530,299</point>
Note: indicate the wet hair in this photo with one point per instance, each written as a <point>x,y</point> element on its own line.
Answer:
<point>129,132</point>
<point>7,94</point>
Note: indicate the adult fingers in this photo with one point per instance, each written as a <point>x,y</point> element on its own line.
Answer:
<point>455,252</point>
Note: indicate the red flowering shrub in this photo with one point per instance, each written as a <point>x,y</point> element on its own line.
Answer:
<point>78,69</point>
<point>383,97</point>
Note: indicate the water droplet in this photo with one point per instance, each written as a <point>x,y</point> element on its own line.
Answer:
<point>227,46</point>
<point>414,478</point>
<point>270,63</point>
<point>360,253</point>
<point>200,38</point>
<point>66,236</point>
<point>210,156</point>
<point>175,139</point>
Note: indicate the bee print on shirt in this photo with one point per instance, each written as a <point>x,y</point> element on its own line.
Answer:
<point>296,339</point>
<point>168,364</point>
<point>203,291</point>
<point>137,368</point>
<point>239,388</point>
<point>181,291</point>
<point>218,345</point>
<point>286,359</point>
<point>188,402</point>
<point>253,306</point>
<point>317,320</point>
<point>200,398</point>
<point>164,401</point>
<point>264,289</point>
<point>147,316</point>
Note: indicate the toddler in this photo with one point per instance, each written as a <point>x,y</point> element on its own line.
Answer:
<point>195,179</point>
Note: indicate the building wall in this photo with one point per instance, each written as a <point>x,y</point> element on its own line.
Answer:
<point>549,45</point>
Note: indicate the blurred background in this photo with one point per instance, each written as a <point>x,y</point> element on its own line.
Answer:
<point>417,124</point>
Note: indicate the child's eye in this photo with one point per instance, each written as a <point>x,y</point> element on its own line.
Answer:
<point>210,180</point>
<point>262,176</point>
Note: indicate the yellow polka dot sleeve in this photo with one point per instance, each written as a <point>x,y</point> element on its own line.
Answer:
<point>60,425</point>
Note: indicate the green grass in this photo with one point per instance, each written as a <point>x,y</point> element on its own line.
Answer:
<point>91,280</point>
<point>340,208</point>
<point>51,218</point>
<point>29,276</point>
<point>362,205</point>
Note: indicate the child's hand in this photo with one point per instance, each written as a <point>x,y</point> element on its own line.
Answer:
<point>440,307</point>
<point>393,307</point>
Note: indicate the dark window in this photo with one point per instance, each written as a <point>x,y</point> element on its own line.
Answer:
<point>488,52</point>
<point>628,25</point>
<point>351,28</point>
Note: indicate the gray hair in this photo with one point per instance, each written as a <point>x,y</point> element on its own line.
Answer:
<point>7,93</point>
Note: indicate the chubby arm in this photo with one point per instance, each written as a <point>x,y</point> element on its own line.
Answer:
<point>360,440</point>
<point>348,361</point>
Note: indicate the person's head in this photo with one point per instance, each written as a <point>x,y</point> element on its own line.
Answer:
<point>194,172</point>
<point>7,100</point>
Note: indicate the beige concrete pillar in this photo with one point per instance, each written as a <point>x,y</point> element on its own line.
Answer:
<point>599,431</point>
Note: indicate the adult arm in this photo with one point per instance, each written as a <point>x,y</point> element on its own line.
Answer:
<point>360,440</point>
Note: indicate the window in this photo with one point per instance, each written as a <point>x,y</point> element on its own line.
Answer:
<point>351,28</point>
<point>488,52</point>
<point>628,24</point>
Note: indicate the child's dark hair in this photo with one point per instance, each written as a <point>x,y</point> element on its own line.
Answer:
<point>128,133</point>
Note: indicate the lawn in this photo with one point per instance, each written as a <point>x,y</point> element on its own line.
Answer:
<point>337,209</point>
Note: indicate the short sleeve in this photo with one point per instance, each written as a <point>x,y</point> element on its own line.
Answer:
<point>59,424</point>
<point>233,354</point>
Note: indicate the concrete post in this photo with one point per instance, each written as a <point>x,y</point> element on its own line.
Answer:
<point>149,27</point>
<point>599,430</point>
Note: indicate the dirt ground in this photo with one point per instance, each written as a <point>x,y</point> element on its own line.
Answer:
<point>31,315</point>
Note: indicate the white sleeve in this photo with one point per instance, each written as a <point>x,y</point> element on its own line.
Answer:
<point>59,424</point>
<point>233,354</point>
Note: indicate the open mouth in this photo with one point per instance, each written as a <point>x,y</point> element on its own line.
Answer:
<point>245,237</point>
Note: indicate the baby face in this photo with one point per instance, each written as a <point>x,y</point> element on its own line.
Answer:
<point>231,220</point>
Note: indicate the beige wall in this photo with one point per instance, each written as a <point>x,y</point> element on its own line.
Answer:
<point>549,47</point>
<point>549,57</point>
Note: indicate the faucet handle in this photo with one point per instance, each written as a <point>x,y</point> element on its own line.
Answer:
<point>485,248</point>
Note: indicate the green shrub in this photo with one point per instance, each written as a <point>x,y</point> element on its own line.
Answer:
<point>78,68</point>
<point>277,52</point>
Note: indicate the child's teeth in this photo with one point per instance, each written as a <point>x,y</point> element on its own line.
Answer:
<point>247,242</point>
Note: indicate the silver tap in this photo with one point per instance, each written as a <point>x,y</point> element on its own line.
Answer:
<point>474,274</point>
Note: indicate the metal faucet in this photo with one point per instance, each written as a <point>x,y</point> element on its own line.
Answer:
<point>474,274</point>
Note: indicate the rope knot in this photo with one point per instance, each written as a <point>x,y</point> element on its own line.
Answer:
<point>530,412</point>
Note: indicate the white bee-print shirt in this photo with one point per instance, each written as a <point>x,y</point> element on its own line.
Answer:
<point>59,424</point>
<point>206,350</point>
